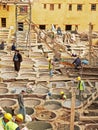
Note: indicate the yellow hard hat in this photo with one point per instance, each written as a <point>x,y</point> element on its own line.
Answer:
<point>79,78</point>
<point>49,59</point>
<point>61,92</point>
<point>19,117</point>
<point>8,116</point>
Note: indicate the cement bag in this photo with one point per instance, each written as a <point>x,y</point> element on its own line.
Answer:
<point>25,128</point>
<point>1,128</point>
<point>28,118</point>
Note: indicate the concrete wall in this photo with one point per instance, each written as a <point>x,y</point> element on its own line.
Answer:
<point>9,14</point>
<point>59,17</point>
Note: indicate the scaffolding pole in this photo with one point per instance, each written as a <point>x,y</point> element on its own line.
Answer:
<point>90,43</point>
<point>72,110</point>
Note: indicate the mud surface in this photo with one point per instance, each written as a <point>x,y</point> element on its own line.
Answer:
<point>39,126</point>
<point>52,105</point>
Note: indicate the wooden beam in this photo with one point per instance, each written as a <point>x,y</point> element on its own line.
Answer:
<point>72,110</point>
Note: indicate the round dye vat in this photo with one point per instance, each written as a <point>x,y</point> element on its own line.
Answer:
<point>2,53</point>
<point>32,102</point>
<point>40,90</point>
<point>27,75</point>
<point>52,105</point>
<point>67,103</point>
<point>29,111</point>
<point>9,75</point>
<point>56,84</point>
<point>17,87</point>
<point>46,115</point>
<point>7,62</point>
<point>8,68</point>
<point>67,127</point>
<point>7,102</point>
<point>39,125</point>
<point>58,90</point>
<point>44,74</point>
<point>3,85</point>
<point>3,90</point>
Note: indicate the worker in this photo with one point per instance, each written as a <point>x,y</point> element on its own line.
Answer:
<point>17,59</point>
<point>63,96</point>
<point>13,47</point>
<point>19,118</point>
<point>3,120</point>
<point>80,87</point>
<point>77,63</point>
<point>2,45</point>
<point>59,32</point>
<point>85,62</point>
<point>14,125</point>
<point>49,94</point>
<point>50,67</point>
<point>22,109</point>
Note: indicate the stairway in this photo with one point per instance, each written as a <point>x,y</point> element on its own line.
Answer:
<point>90,99</point>
<point>5,34</point>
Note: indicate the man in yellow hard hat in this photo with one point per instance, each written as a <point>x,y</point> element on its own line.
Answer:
<point>63,96</point>
<point>19,118</point>
<point>11,125</point>
<point>22,109</point>
<point>5,119</point>
<point>50,67</point>
<point>80,87</point>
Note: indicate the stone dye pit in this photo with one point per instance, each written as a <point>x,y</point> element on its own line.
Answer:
<point>39,125</point>
<point>46,115</point>
<point>52,105</point>
<point>32,102</point>
<point>67,104</point>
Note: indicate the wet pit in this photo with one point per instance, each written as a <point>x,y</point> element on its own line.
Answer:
<point>3,85</point>
<point>67,103</point>
<point>40,90</point>
<point>57,91</point>
<point>9,75</point>
<point>29,111</point>
<point>32,102</point>
<point>46,115</point>
<point>17,87</point>
<point>93,106</point>
<point>27,75</point>
<point>39,125</point>
<point>56,84</point>
<point>91,127</point>
<point>7,102</point>
<point>91,113</point>
<point>52,105</point>
<point>3,90</point>
<point>2,53</point>
<point>67,127</point>
<point>8,68</point>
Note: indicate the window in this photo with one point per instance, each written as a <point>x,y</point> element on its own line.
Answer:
<point>70,6</point>
<point>23,9</point>
<point>79,7</point>
<point>93,7</point>
<point>43,27</point>
<point>68,27</point>
<point>4,6</point>
<point>20,26</point>
<point>51,6</point>
<point>44,6</point>
<point>59,6</point>
<point>3,22</point>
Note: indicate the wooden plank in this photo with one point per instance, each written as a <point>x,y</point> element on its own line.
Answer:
<point>72,110</point>
<point>90,83</point>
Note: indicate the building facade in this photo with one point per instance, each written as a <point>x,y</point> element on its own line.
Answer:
<point>70,15</point>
